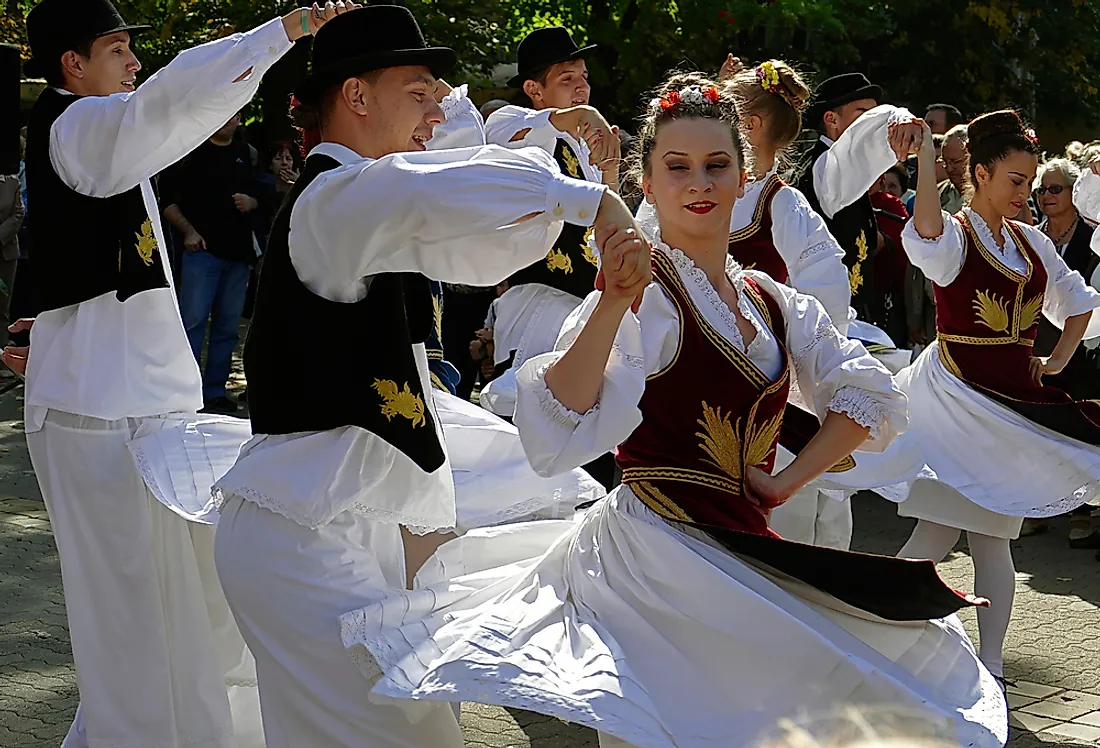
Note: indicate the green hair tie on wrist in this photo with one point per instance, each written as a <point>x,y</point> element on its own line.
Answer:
<point>305,21</point>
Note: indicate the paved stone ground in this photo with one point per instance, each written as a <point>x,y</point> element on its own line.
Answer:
<point>1053,649</point>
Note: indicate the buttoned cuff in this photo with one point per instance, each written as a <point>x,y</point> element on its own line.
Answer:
<point>573,200</point>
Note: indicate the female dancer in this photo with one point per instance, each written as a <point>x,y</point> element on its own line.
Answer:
<point>774,230</point>
<point>1004,445</point>
<point>669,615</point>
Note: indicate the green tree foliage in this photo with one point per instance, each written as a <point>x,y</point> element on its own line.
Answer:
<point>979,54</point>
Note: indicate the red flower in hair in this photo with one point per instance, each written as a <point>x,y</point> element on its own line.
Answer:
<point>294,103</point>
<point>1031,136</point>
<point>669,100</point>
<point>711,94</point>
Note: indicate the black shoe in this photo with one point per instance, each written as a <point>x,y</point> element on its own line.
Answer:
<point>220,405</point>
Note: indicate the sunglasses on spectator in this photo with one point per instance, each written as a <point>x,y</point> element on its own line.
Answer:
<point>1054,189</point>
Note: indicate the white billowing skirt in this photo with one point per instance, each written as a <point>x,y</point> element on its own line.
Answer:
<point>990,455</point>
<point>494,483</point>
<point>624,623</point>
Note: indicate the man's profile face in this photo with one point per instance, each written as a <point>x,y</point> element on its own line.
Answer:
<point>110,68</point>
<point>840,119</point>
<point>403,108</point>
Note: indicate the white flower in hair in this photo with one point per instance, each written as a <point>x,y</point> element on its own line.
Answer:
<point>692,95</point>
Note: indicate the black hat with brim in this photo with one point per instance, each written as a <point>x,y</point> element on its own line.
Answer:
<point>840,90</point>
<point>56,26</point>
<point>367,39</point>
<point>545,47</point>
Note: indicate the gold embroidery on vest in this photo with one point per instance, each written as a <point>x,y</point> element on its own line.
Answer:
<point>721,443</point>
<point>146,243</point>
<point>589,253</point>
<point>558,260</point>
<point>572,163</point>
<point>991,311</point>
<point>399,402</point>
<point>437,310</point>
<point>855,275</point>
<point>1029,312</point>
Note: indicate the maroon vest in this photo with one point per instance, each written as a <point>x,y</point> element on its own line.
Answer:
<point>753,246</point>
<point>986,323</point>
<point>710,414</point>
<point>724,412</point>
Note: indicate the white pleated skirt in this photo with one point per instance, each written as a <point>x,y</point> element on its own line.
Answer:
<point>989,454</point>
<point>655,636</point>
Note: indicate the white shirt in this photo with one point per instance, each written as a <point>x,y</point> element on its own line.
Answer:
<point>941,260</point>
<point>450,215</point>
<point>110,359</point>
<point>861,155</point>
<point>833,373</point>
<point>505,123</point>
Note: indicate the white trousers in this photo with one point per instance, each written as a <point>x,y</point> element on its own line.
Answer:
<point>140,597</point>
<point>811,517</point>
<point>288,585</point>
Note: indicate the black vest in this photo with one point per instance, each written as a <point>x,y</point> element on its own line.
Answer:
<point>854,227</point>
<point>571,265</point>
<point>365,371</point>
<point>84,246</point>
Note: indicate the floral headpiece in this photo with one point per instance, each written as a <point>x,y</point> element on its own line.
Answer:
<point>768,76</point>
<point>692,95</point>
<point>1032,138</point>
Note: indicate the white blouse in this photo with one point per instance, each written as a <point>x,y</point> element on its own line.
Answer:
<point>105,358</point>
<point>450,215</point>
<point>1086,198</point>
<point>505,123</point>
<point>857,159</point>
<point>941,260</point>
<point>833,373</point>
<point>814,258</point>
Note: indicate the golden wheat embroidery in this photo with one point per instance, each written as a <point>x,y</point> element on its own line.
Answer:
<point>402,402</point>
<point>558,260</point>
<point>720,441</point>
<point>146,243</point>
<point>589,253</point>
<point>855,278</point>
<point>991,311</point>
<point>437,310</point>
<point>1029,312</point>
<point>572,163</point>
<point>761,440</point>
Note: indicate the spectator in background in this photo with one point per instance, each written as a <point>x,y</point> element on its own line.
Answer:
<point>955,162</point>
<point>11,220</point>
<point>942,117</point>
<point>891,261</point>
<point>212,197</point>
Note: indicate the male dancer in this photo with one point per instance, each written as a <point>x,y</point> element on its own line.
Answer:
<point>109,360</point>
<point>553,75</point>
<point>319,513</point>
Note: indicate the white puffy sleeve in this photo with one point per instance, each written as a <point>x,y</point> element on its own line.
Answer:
<point>837,374</point>
<point>814,258</point>
<point>463,128</point>
<point>857,159</point>
<point>453,215</point>
<point>1067,294</point>
<point>1086,198</point>
<point>105,145</point>
<point>940,259</point>
<point>557,439</point>
<point>518,127</point>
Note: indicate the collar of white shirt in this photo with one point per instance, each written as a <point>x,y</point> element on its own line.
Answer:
<point>827,141</point>
<point>338,152</point>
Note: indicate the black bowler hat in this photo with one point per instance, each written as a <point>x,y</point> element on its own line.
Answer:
<point>56,26</point>
<point>366,39</point>
<point>545,47</point>
<point>840,90</point>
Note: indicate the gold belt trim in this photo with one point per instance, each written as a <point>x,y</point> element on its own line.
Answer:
<point>682,475</point>
<point>652,497</point>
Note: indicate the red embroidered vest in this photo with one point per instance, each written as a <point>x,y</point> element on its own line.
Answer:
<point>753,246</point>
<point>986,323</point>
<point>706,417</point>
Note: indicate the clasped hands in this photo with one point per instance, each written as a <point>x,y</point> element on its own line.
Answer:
<point>625,254</point>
